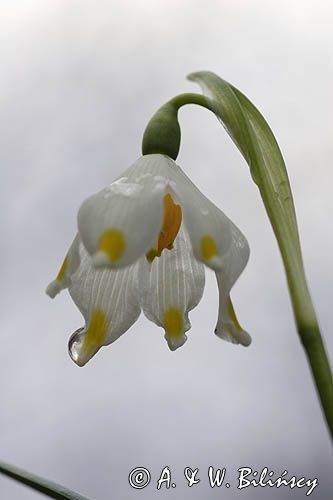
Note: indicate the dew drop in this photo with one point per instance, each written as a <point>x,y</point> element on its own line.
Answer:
<point>122,187</point>
<point>73,342</point>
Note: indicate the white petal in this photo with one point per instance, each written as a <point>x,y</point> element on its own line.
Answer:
<point>69,266</point>
<point>108,300</point>
<point>208,227</point>
<point>121,222</point>
<point>170,287</point>
<point>161,167</point>
<point>228,327</point>
<point>212,232</point>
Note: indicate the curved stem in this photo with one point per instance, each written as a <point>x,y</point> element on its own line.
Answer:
<point>162,134</point>
<point>190,98</point>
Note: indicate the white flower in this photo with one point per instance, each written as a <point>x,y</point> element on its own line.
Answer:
<point>142,243</point>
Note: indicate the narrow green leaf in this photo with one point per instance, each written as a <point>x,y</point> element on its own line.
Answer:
<point>40,484</point>
<point>254,138</point>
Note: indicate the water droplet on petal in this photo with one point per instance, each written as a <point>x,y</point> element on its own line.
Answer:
<point>74,343</point>
<point>122,187</point>
<point>159,187</point>
<point>204,211</point>
<point>142,177</point>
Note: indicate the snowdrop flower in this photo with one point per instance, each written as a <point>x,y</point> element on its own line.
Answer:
<point>142,243</point>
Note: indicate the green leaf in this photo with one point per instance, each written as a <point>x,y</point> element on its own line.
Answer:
<point>40,484</point>
<point>254,138</point>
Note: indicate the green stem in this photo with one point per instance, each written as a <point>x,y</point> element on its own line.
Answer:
<point>40,484</point>
<point>309,333</point>
<point>162,134</point>
<point>190,98</point>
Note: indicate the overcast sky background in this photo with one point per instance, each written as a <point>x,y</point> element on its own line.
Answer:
<point>79,81</point>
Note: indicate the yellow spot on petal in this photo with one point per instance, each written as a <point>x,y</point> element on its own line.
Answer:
<point>63,268</point>
<point>112,243</point>
<point>172,219</point>
<point>150,255</point>
<point>96,332</point>
<point>208,248</point>
<point>173,322</point>
<point>233,316</point>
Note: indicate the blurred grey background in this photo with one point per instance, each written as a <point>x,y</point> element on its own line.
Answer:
<point>79,81</point>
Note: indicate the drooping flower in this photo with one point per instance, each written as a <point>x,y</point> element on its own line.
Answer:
<point>142,242</point>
